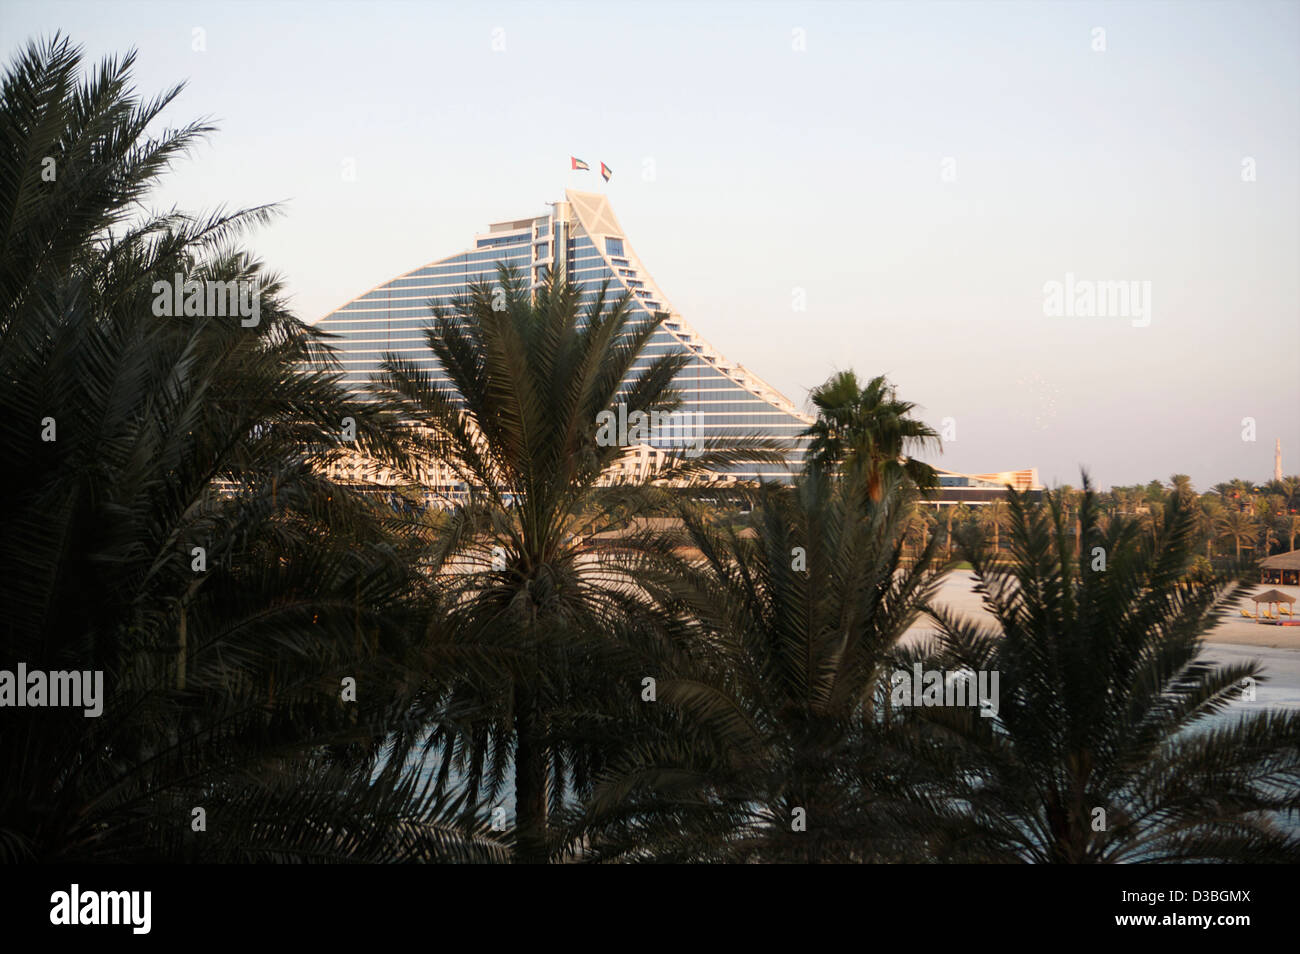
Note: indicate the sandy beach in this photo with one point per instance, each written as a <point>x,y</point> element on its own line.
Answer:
<point>957,593</point>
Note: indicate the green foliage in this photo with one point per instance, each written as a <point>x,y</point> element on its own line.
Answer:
<point>767,714</point>
<point>865,430</point>
<point>1105,704</point>
<point>222,686</point>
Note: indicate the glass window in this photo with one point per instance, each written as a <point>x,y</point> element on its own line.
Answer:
<point>613,246</point>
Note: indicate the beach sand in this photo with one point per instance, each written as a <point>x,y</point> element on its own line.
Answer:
<point>956,593</point>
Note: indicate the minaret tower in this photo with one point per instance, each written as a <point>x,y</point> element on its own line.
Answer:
<point>1277,460</point>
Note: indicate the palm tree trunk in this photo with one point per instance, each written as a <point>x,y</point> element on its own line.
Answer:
<point>530,780</point>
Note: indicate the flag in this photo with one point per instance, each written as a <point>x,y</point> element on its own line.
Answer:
<point>606,171</point>
<point>577,163</point>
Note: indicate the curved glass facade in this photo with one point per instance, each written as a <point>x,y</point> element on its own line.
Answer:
<point>582,238</point>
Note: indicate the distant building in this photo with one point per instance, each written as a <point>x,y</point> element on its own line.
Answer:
<point>582,239</point>
<point>977,489</point>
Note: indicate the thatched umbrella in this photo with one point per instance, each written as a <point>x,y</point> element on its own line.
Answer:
<point>1273,597</point>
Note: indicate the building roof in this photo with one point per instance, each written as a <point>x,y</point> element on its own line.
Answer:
<point>1282,561</point>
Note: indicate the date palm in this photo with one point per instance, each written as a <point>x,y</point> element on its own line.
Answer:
<point>171,529</point>
<point>953,518</point>
<point>766,742</point>
<point>921,522</point>
<point>1289,488</point>
<point>1208,515</point>
<point>1236,527</point>
<point>544,582</point>
<point>1150,517</point>
<point>992,519</point>
<point>1111,741</point>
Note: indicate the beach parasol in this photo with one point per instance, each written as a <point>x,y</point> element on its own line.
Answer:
<point>1273,597</point>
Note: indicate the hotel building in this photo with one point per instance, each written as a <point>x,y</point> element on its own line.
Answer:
<point>581,238</point>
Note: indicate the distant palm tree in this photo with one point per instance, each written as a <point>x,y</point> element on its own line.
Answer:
<point>865,429</point>
<point>1150,519</point>
<point>540,593</point>
<point>1153,494</point>
<point>1236,527</point>
<point>1236,492</point>
<point>1102,748</point>
<point>166,524</point>
<point>1289,488</point>
<point>921,522</point>
<point>774,749</point>
<point>1208,515</point>
<point>954,514</point>
<point>1126,499</point>
<point>992,518</point>
<point>1268,536</point>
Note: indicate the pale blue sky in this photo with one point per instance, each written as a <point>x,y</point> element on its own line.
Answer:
<point>820,169</point>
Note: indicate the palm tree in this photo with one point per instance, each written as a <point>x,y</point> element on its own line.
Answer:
<point>992,516</point>
<point>1153,494</point>
<point>1127,499</point>
<point>1070,501</point>
<point>866,429</point>
<point>174,532</point>
<point>772,745</point>
<point>1104,747</point>
<point>1208,516</point>
<point>957,514</point>
<point>921,522</point>
<point>1149,519</point>
<point>1289,488</point>
<point>1236,527</point>
<point>1292,529</point>
<point>1237,491</point>
<point>540,593</point>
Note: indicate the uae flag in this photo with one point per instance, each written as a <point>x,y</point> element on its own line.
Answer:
<point>577,163</point>
<point>606,171</point>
